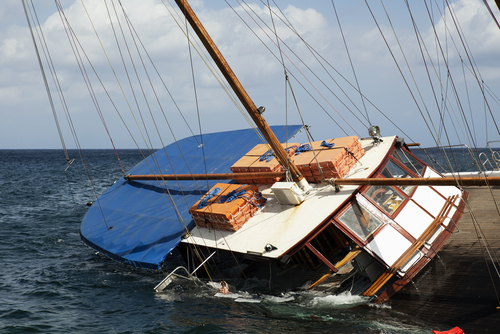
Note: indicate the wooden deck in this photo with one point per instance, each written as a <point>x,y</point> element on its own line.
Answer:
<point>459,288</point>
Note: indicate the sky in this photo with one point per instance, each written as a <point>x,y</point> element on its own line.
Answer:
<point>324,90</point>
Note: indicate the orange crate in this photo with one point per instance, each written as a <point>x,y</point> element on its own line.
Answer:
<point>228,216</point>
<point>334,162</point>
<point>250,162</point>
<point>261,149</point>
<point>242,166</point>
<point>272,165</point>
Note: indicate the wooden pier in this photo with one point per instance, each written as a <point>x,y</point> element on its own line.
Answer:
<point>460,287</point>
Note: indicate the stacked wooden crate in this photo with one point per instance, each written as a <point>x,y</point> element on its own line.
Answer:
<point>320,161</point>
<point>228,215</point>
<point>334,162</point>
<point>255,161</point>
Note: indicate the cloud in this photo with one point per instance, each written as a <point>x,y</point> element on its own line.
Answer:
<point>256,64</point>
<point>168,47</point>
<point>478,30</point>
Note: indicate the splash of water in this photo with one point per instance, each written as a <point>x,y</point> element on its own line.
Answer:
<point>343,299</point>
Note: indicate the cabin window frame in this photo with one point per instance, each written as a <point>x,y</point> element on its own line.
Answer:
<point>408,152</point>
<point>404,168</point>
<point>349,231</point>
<point>364,190</point>
<point>399,193</point>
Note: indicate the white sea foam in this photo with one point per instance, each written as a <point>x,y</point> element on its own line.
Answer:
<point>247,300</point>
<point>228,295</point>
<point>279,299</point>
<point>345,298</point>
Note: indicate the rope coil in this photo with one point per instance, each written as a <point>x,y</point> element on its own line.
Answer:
<point>325,144</point>
<point>302,148</point>
<point>232,195</point>
<point>204,201</point>
<point>268,156</point>
<point>252,197</point>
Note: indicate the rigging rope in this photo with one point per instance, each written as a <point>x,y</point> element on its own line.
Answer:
<point>97,105</point>
<point>162,182</point>
<point>287,168</point>
<point>296,67</point>
<point>154,160</point>
<point>214,70</point>
<point>46,83</point>
<point>319,57</point>
<point>211,66</point>
<point>491,12</point>
<point>350,61</point>
<point>117,80</point>
<point>316,55</point>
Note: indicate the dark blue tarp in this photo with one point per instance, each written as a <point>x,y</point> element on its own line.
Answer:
<point>136,223</point>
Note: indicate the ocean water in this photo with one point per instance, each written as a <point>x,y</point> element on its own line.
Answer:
<point>50,282</point>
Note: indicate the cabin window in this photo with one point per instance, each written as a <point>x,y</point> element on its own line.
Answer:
<point>392,169</point>
<point>360,221</point>
<point>409,161</point>
<point>387,198</point>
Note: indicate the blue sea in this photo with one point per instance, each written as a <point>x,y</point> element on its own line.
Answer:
<point>50,282</point>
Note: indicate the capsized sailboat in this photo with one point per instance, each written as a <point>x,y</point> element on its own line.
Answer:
<point>378,236</point>
<point>362,214</point>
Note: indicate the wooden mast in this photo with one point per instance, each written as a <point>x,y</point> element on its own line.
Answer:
<point>243,96</point>
<point>382,181</point>
<point>422,181</point>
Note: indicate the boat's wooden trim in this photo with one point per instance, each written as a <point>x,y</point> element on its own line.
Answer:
<point>321,279</point>
<point>191,177</point>
<point>321,257</point>
<point>436,246</point>
<point>348,258</point>
<point>383,181</point>
<point>386,276</point>
<point>421,181</point>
